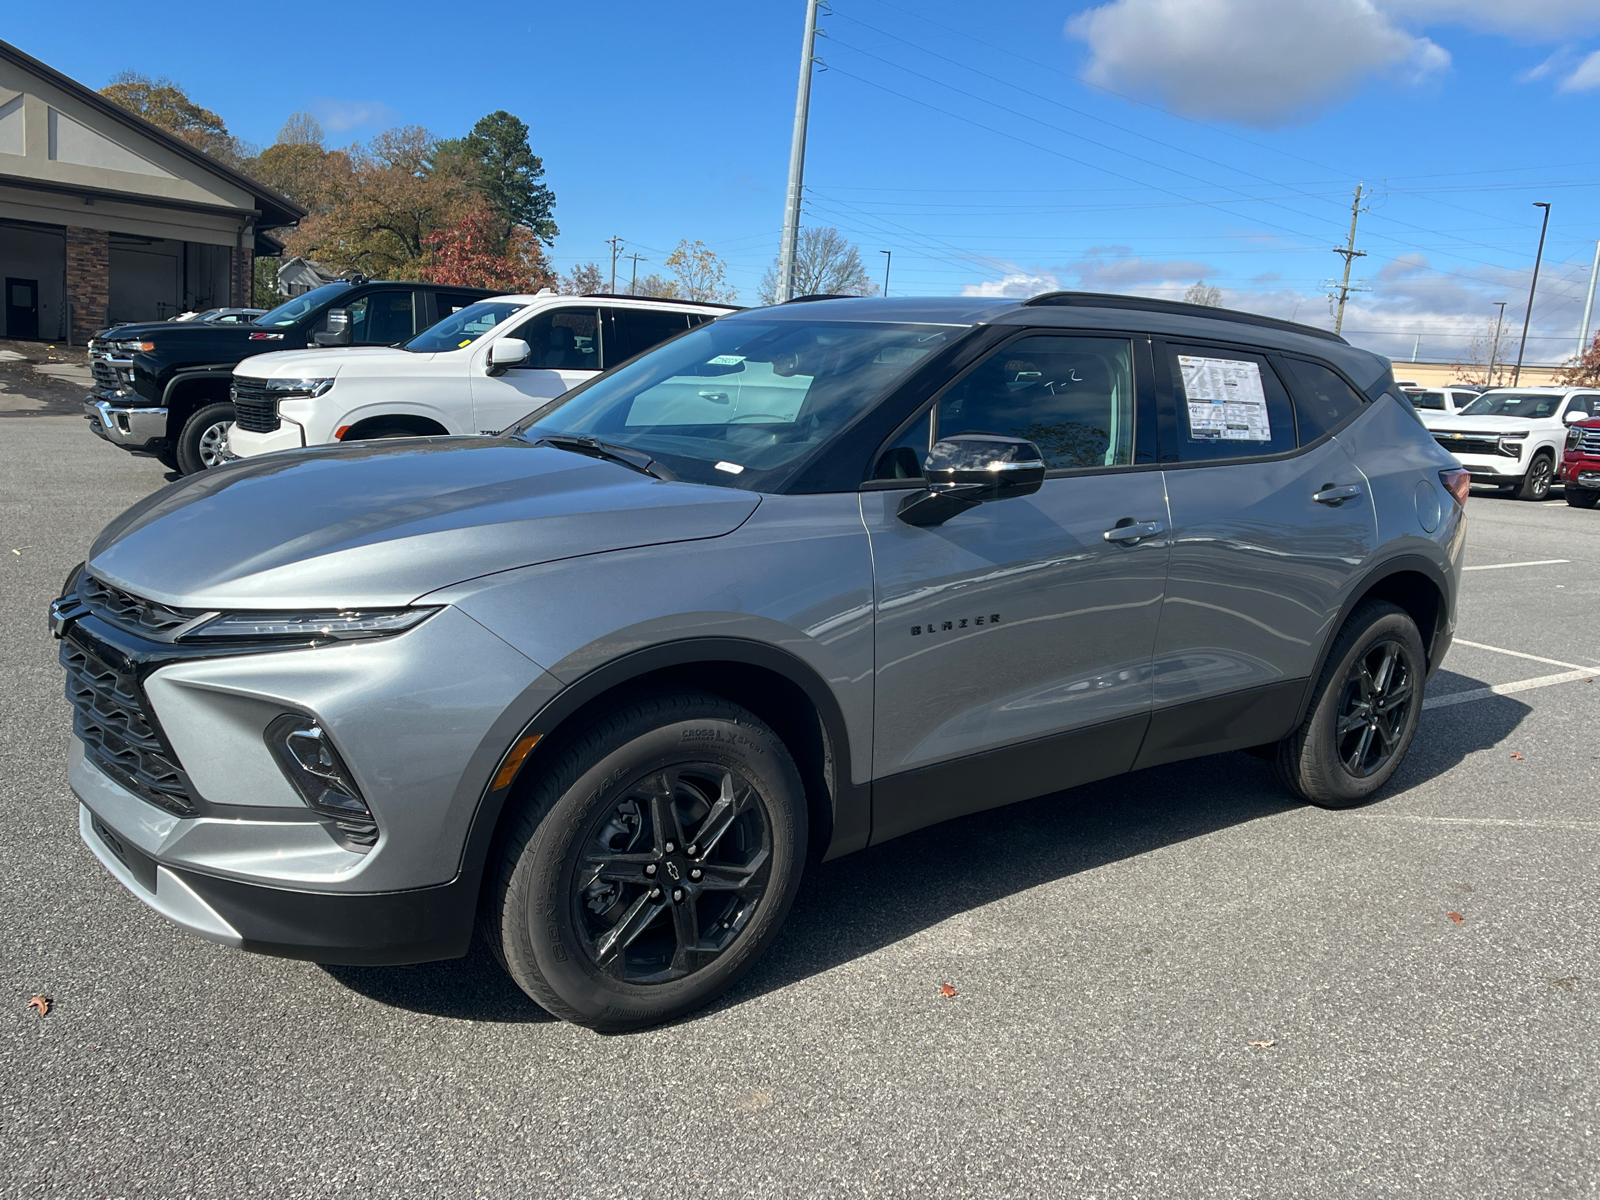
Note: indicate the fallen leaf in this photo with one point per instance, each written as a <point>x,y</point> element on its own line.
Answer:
<point>757,1100</point>
<point>1569,982</point>
<point>1516,756</point>
<point>40,1005</point>
<point>947,991</point>
<point>1456,917</point>
<point>1264,1045</point>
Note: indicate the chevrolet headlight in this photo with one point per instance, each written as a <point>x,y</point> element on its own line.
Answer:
<point>293,389</point>
<point>1511,447</point>
<point>340,625</point>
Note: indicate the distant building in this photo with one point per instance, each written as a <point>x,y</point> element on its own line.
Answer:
<point>1438,374</point>
<point>297,276</point>
<point>106,218</point>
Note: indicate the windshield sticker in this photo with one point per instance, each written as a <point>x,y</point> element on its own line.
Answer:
<point>726,360</point>
<point>730,468</point>
<point>1226,402</point>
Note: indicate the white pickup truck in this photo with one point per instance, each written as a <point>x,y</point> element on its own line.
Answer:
<point>478,370</point>
<point>1512,438</point>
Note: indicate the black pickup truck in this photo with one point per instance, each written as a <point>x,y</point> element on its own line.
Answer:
<point>164,389</point>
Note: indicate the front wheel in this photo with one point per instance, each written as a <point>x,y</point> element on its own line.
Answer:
<point>1582,497</point>
<point>203,443</point>
<point>1536,483</point>
<point>1363,714</point>
<point>654,862</point>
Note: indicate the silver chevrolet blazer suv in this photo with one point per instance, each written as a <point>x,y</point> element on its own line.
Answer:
<point>801,580</point>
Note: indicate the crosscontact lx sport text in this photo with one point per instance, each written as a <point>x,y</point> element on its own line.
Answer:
<point>798,581</point>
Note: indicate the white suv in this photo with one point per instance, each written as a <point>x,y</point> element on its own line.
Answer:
<point>478,370</point>
<point>1513,437</point>
<point>1440,402</point>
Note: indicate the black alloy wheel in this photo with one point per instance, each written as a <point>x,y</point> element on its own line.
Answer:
<point>650,861</point>
<point>1374,711</point>
<point>672,873</point>
<point>1363,713</point>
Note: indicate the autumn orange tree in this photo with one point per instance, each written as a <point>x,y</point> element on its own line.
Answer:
<point>1583,371</point>
<point>473,252</point>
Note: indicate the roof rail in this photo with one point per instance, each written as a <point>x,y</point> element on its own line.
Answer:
<point>662,299</point>
<point>1177,308</point>
<point>821,296</point>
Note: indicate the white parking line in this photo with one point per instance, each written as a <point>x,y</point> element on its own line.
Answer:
<point>1538,562</point>
<point>1487,822</point>
<point>1554,662</point>
<point>1507,689</point>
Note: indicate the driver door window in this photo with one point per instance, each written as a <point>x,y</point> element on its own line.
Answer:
<point>381,319</point>
<point>564,349</point>
<point>565,340</point>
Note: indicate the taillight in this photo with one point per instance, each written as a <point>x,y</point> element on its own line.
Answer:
<point>1457,482</point>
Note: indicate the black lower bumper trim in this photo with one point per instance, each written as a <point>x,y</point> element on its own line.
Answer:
<point>364,929</point>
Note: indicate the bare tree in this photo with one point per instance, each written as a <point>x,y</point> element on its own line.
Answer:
<point>583,280</point>
<point>1583,371</point>
<point>1201,292</point>
<point>655,285</point>
<point>301,129</point>
<point>825,263</point>
<point>1472,368</point>
<point>701,275</point>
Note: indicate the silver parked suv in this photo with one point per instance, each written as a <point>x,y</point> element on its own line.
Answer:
<point>796,582</point>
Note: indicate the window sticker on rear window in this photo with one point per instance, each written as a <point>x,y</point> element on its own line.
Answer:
<point>1226,402</point>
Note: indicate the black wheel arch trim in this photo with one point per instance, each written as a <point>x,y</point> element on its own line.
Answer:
<point>1435,641</point>
<point>851,808</point>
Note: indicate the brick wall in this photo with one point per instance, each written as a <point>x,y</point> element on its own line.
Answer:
<point>244,279</point>
<point>88,280</point>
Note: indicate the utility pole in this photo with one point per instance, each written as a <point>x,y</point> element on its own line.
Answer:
<point>633,285</point>
<point>616,244</point>
<point>889,258</point>
<point>1588,305</point>
<point>797,160</point>
<point>1494,346</point>
<point>1349,254</point>
<point>1516,376</point>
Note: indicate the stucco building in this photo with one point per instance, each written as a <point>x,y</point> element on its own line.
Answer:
<point>106,218</point>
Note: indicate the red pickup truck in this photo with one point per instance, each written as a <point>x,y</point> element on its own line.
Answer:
<point>1580,465</point>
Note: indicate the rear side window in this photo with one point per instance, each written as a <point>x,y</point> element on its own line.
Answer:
<point>1429,400</point>
<point>641,328</point>
<point>1322,401</point>
<point>1230,403</point>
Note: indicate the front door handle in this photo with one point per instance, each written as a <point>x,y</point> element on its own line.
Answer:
<point>1335,496</point>
<point>1127,531</point>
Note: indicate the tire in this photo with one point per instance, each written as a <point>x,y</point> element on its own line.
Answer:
<point>1536,483</point>
<point>1581,497</point>
<point>203,443</point>
<point>168,458</point>
<point>607,947</point>
<point>1334,767</point>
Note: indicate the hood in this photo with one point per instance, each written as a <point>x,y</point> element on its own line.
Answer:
<point>1442,423</point>
<point>380,524</point>
<point>319,364</point>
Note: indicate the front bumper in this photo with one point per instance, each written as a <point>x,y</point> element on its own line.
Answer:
<point>1492,467</point>
<point>130,428</point>
<point>246,444</point>
<point>1581,472</point>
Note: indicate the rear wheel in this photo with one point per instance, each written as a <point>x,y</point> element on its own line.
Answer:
<point>1536,483</point>
<point>654,862</point>
<point>1581,497</point>
<point>1363,714</point>
<point>203,443</point>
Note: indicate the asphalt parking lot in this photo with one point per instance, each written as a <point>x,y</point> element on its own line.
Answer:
<point>1176,983</point>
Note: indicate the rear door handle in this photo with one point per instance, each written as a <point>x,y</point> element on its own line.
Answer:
<point>1133,531</point>
<point>1335,496</point>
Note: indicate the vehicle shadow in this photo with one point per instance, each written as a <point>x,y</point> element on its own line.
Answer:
<point>866,901</point>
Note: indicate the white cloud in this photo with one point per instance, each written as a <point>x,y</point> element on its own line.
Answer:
<point>1259,62</point>
<point>340,115</point>
<point>1016,282</point>
<point>1585,77</point>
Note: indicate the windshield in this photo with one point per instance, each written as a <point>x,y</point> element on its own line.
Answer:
<point>291,311</point>
<point>1513,404</point>
<point>463,327</point>
<point>737,403</point>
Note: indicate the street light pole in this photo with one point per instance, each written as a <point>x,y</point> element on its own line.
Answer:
<point>887,259</point>
<point>1516,376</point>
<point>797,161</point>
<point>1588,305</point>
<point>1494,346</point>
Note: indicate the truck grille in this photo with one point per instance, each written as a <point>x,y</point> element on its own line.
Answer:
<point>1470,444</point>
<point>109,717</point>
<point>127,611</point>
<point>105,374</point>
<point>1589,443</point>
<point>254,408</point>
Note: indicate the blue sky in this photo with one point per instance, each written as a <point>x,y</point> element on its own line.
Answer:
<point>1130,145</point>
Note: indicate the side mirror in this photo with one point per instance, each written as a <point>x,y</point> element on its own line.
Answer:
<point>970,469</point>
<point>1574,415</point>
<point>507,353</point>
<point>338,331</point>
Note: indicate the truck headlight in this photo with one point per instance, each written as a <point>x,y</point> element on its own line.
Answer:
<point>1510,448</point>
<point>341,625</point>
<point>1574,436</point>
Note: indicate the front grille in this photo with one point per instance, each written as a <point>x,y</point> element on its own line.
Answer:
<point>1469,444</point>
<point>255,409</point>
<point>108,715</point>
<point>1589,443</point>
<point>105,374</point>
<point>127,611</point>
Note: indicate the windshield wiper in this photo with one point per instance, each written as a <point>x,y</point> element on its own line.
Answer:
<point>595,448</point>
